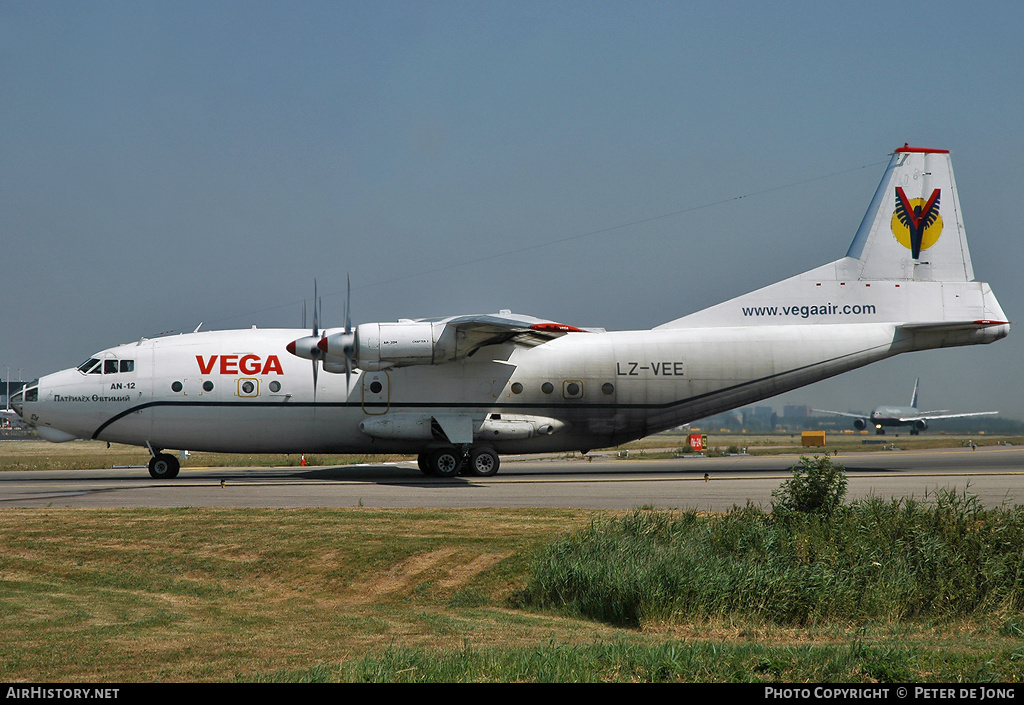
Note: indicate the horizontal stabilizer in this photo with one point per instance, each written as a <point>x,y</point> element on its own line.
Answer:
<point>952,325</point>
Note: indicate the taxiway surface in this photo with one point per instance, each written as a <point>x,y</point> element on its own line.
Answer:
<point>994,474</point>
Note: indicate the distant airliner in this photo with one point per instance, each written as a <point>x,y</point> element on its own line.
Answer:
<point>883,416</point>
<point>458,391</point>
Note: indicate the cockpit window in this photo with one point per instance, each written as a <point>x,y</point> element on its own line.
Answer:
<point>87,366</point>
<point>94,366</point>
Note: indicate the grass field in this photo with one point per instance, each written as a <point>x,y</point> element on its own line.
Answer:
<point>362,594</point>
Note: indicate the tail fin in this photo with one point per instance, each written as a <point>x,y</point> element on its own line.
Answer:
<point>908,265</point>
<point>913,229</point>
<point>913,397</point>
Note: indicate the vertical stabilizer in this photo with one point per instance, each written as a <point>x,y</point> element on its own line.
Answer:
<point>908,264</point>
<point>913,229</point>
<point>913,397</point>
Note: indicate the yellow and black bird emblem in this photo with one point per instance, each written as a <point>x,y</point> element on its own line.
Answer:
<point>916,223</point>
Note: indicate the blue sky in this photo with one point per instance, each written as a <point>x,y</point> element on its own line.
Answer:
<point>614,164</point>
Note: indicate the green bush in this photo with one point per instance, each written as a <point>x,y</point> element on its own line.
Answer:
<point>874,561</point>
<point>817,487</point>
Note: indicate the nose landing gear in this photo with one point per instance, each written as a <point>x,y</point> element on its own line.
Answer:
<point>162,466</point>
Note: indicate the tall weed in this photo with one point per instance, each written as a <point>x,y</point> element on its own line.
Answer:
<point>870,561</point>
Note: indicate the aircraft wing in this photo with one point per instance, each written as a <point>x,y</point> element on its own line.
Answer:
<point>477,331</point>
<point>425,341</point>
<point>842,413</point>
<point>931,416</point>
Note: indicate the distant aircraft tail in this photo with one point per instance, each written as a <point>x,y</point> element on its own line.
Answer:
<point>913,397</point>
<point>908,265</point>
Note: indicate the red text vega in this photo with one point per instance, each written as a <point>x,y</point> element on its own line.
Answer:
<point>240,364</point>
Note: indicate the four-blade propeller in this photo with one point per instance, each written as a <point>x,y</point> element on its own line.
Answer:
<point>314,347</point>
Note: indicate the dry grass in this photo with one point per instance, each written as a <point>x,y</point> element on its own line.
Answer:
<point>191,594</point>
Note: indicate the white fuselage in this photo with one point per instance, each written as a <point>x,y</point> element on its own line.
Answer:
<point>239,390</point>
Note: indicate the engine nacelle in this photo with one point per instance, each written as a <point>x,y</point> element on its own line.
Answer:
<point>920,425</point>
<point>336,366</point>
<point>382,345</point>
<point>860,424</point>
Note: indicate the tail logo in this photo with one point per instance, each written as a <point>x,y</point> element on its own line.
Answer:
<point>916,223</point>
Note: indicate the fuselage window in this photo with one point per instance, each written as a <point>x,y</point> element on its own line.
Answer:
<point>127,365</point>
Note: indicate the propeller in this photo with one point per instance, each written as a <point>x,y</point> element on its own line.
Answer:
<point>308,346</point>
<point>344,343</point>
<point>322,348</point>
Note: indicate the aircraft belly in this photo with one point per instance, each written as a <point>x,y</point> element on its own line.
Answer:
<point>278,428</point>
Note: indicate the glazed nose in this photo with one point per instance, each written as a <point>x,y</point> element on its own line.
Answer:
<point>28,393</point>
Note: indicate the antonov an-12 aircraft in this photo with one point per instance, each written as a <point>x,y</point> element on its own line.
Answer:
<point>882,416</point>
<point>458,391</point>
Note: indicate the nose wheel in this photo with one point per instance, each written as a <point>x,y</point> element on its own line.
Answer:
<point>163,466</point>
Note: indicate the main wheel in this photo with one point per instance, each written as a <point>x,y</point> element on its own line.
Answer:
<point>444,463</point>
<point>483,462</point>
<point>163,466</point>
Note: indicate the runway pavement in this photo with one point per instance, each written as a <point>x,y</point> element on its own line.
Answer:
<point>995,474</point>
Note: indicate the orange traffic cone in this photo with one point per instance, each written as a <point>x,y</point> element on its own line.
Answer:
<point>303,460</point>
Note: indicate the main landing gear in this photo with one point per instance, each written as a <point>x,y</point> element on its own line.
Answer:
<point>449,461</point>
